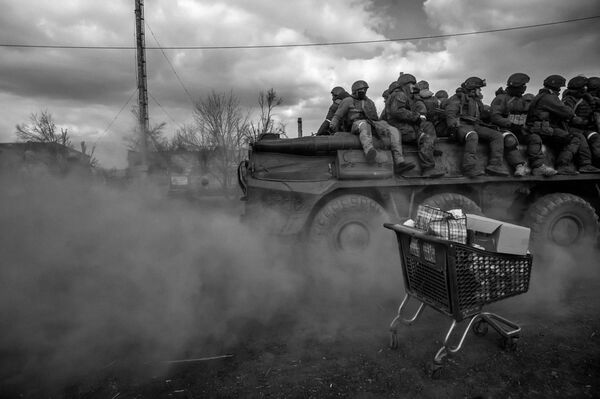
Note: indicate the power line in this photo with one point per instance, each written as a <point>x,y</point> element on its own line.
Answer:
<point>118,113</point>
<point>171,65</point>
<point>238,47</point>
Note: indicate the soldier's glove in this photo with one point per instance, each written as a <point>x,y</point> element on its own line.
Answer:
<point>515,128</point>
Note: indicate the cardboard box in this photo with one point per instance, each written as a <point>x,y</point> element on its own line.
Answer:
<point>497,236</point>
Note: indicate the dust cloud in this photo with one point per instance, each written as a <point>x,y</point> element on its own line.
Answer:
<point>92,274</point>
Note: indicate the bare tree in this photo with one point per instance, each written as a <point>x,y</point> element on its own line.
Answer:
<point>224,125</point>
<point>267,102</point>
<point>190,137</point>
<point>42,129</point>
<point>154,135</point>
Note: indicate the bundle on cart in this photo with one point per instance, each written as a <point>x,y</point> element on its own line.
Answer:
<point>450,262</point>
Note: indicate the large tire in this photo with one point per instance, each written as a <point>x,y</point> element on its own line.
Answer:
<point>562,219</point>
<point>447,201</point>
<point>347,225</point>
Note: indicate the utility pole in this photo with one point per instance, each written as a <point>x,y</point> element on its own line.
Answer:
<point>141,81</point>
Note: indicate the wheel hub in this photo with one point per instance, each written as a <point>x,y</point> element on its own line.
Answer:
<point>353,236</point>
<point>566,230</point>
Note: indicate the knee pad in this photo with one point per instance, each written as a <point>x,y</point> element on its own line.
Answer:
<point>510,141</point>
<point>592,136</point>
<point>472,136</point>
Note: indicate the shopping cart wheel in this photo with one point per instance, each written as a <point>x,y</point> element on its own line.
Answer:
<point>434,370</point>
<point>393,340</point>
<point>509,343</point>
<point>480,327</point>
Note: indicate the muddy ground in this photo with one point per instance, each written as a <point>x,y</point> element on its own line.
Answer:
<point>88,321</point>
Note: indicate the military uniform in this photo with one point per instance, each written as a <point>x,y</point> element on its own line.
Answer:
<point>548,117</point>
<point>509,111</point>
<point>360,113</point>
<point>337,94</point>
<point>463,116</point>
<point>584,123</point>
<point>408,113</point>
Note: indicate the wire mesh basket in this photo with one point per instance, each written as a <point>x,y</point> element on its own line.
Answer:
<point>457,279</point>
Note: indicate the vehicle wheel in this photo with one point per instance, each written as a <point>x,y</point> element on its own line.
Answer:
<point>562,219</point>
<point>347,225</point>
<point>447,201</point>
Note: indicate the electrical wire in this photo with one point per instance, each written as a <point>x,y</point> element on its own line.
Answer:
<point>171,65</point>
<point>353,42</point>
<point>118,113</point>
<point>161,107</point>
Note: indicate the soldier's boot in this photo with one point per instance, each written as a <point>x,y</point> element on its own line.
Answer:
<point>497,170</point>
<point>400,164</point>
<point>432,172</point>
<point>522,170</point>
<point>544,170</point>
<point>470,167</point>
<point>588,169</point>
<point>566,169</point>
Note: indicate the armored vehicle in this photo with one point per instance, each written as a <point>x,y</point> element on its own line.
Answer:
<point>322,189</point>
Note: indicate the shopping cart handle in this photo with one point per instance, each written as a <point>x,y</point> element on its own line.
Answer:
<point>418,233</point>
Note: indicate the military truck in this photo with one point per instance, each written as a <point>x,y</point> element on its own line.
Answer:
<point>322,190</point>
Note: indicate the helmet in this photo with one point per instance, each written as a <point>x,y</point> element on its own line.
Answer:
<point>473,83</point>
<point>393,86</point>
<point>441,94</point>
<point>406,78</point>
<point>423,84</point>
<point>593,83</point>
<point>359,84</point>
<point>517,80</point>
<point>577,83</point>
<point>337,91</point>
<point>554,82</point>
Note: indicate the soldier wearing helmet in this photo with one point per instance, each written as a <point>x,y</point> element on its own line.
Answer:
<point>337,95</point>
<point>584,124</point>
<point>463,116</point>
<point>509,112</point>
<point>360,113</point>
<point>408,113</point>
<point>594,91</point>
<point>549,117</point>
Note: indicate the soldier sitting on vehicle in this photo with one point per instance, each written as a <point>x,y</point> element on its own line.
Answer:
<point>584,125</point>
<point>463,116</point>
<point>360,113</point>
<point>408,114</point>
<point>548,117</point>
<point>509,111</point>
<point>337,95</point>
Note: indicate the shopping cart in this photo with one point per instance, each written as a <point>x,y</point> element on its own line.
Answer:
<point>457,280</point>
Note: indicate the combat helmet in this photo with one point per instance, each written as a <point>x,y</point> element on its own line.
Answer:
<point>517,80</point>
<point>337,91</point>
<point>359,84</point>
<point>406,78</point>
<point>473,83</point>
<point>554,82</point>
<point>577,83</point>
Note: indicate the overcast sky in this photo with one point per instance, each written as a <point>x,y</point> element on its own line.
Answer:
<point>84,89</point>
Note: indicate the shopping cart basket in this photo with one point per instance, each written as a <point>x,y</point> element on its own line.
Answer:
<point>458,280</point>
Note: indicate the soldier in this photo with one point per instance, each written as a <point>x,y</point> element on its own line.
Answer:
<point>408,113</point>
<point>509,111</point>
<point>584,124</point>
<point>548,117</point>
<point>594,91</point>
<point>442,96</point>
<point>463,116</point>
<point>385,95</point>
<point>360,113</point>
<point>337,95</point>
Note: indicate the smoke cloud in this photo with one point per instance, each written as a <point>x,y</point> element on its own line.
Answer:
<point>92,274</point>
